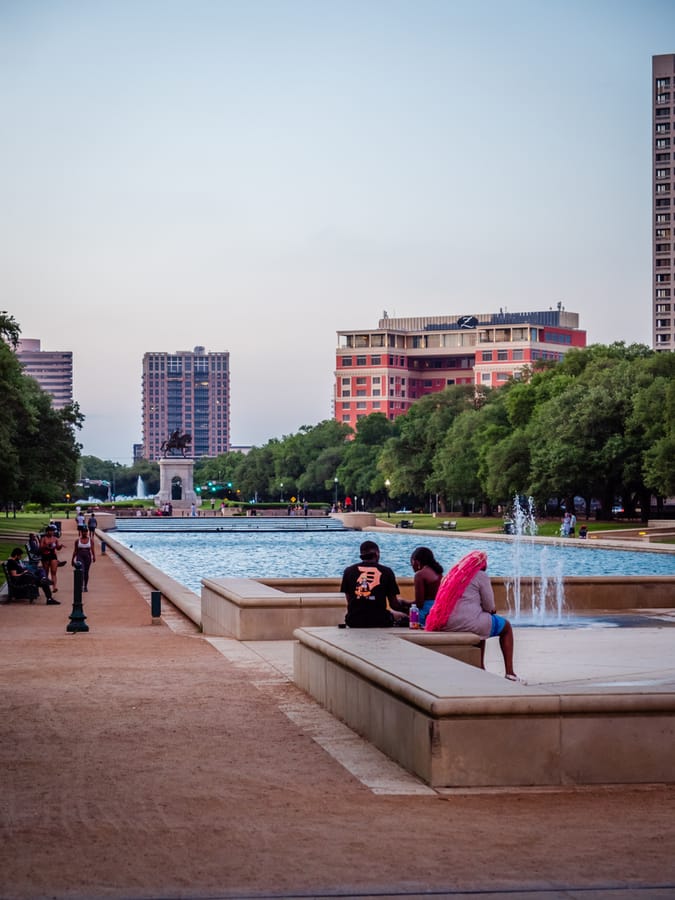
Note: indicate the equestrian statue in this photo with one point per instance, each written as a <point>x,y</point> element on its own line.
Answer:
<point>176,441</point>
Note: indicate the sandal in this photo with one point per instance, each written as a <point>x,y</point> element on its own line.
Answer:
<point>515,678</point>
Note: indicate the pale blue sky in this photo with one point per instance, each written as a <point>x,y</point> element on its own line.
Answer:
<point>253,176</point>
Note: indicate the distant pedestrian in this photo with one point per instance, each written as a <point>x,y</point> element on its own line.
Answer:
<point>84,553</point>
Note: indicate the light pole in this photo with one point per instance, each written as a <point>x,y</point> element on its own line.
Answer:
<point>387,485</point>
<point>281,492</point>
<point>336,484</point>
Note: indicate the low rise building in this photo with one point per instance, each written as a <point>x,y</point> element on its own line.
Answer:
<point>385,369</point>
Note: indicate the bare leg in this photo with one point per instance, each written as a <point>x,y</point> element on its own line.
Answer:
<point>506,645</point>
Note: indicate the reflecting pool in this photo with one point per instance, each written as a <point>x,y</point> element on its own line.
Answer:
<point>189,557</point>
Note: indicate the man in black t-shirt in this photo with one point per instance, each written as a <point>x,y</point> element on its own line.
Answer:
<point>369,587</point>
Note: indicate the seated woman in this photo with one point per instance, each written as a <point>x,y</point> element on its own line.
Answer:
<point>465,602</point>
<point>428,572</point>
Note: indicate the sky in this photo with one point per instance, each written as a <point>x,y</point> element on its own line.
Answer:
<point>255,176</point>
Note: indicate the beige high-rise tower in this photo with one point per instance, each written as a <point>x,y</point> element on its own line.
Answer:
<point>663,178</point>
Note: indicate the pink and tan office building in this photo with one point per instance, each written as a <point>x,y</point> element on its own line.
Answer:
<point>385,369</point>
<point>187,391</point>
<point>663,178</point>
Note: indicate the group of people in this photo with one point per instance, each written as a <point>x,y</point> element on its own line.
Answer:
<point>462,600</point>
<point>43,563</point>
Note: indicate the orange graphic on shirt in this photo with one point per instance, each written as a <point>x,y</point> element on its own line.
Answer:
<point>369,578</point>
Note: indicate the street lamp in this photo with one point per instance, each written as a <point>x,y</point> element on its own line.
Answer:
<point>387,485</point>
<point>281,492</point>
<point>336,484</point>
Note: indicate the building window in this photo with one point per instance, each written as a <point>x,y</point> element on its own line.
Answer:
<point>663,188</point>
<point>361,404</point>
<point>487,355</point>
<point>485,376</point>
<point>361,361</point>
<point>346,360</point>
<point>663,279</point>
<point>503,376</point>
<point>660,113</point>
<point>376,392</point>
<point>662,157</point>
<point>346,417</point>
<point>662,143</point>
<point>517,355</point>
<point>663,338</point>
<point>661,204</point>
<point>662,127</point>
<point>376,360</point>
<point>361,381</point>
<point>662,173</point>
<point>662,217</point>
<point>361,392</point>
<point>662,98</point>
<point>660,263</point>
<point>502,355</point>
<point>662,233</point>
<point>376,404</point>
<point>663,323</point>
<point>346,392</point>
<point>376,379</point>
<point>662,84</point>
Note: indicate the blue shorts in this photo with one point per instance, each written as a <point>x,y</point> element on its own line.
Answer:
<point>498,625</point>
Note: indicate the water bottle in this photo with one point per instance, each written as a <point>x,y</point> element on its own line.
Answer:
<point>414,617</point>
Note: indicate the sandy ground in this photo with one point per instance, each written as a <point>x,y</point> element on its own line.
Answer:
<point>138,762</point>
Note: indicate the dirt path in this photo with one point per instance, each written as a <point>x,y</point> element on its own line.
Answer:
<point>138,762</point>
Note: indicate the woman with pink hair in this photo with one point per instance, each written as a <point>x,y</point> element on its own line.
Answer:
<point>465,602</point>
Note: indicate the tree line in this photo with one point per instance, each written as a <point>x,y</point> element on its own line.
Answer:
<point>600,425</point>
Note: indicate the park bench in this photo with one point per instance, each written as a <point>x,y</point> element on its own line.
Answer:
<point>18,592</point>
<point>448,526</point>
<point>405,523</point>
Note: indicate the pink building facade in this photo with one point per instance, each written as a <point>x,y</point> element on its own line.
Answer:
<point>387,368</point>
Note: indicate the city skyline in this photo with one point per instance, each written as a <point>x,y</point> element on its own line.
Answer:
<point>257,177</point>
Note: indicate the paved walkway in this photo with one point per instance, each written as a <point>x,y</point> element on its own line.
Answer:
<point>144,760</point>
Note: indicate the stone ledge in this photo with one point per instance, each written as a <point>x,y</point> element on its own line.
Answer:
<point>454,725</point>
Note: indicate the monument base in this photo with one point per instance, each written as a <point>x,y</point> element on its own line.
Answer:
<point>176,484</point>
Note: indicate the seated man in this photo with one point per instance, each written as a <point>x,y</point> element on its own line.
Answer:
<point>22,576</point>
<point>372,592</point>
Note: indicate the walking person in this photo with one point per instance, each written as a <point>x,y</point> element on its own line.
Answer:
<point>84,553</point>
<point>49,545</point>
<point>92,525</point>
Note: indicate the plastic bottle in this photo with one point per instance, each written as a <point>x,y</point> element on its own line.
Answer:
<point>414,617</point>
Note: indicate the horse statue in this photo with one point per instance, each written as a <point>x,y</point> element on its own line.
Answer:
<point>176,441</point>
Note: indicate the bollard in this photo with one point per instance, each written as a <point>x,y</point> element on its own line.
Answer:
<point>155,604</point>
<point>104,546</point>
<point>77,617</point>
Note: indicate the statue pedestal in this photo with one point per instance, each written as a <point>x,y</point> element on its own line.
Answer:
<point>176,483</point>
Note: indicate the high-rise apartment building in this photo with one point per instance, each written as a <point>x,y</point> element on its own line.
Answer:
<point>663,177</point>
<point>188,391</point>
<point>387,368</point>
<point>52,369</point>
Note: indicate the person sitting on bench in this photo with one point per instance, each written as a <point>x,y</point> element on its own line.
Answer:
<point>465,602</point>
<point>372,592</point>
<point>22,576</point>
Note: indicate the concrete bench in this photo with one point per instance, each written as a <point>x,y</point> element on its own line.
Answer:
<point>456,725</point>
<point>251,611</point>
